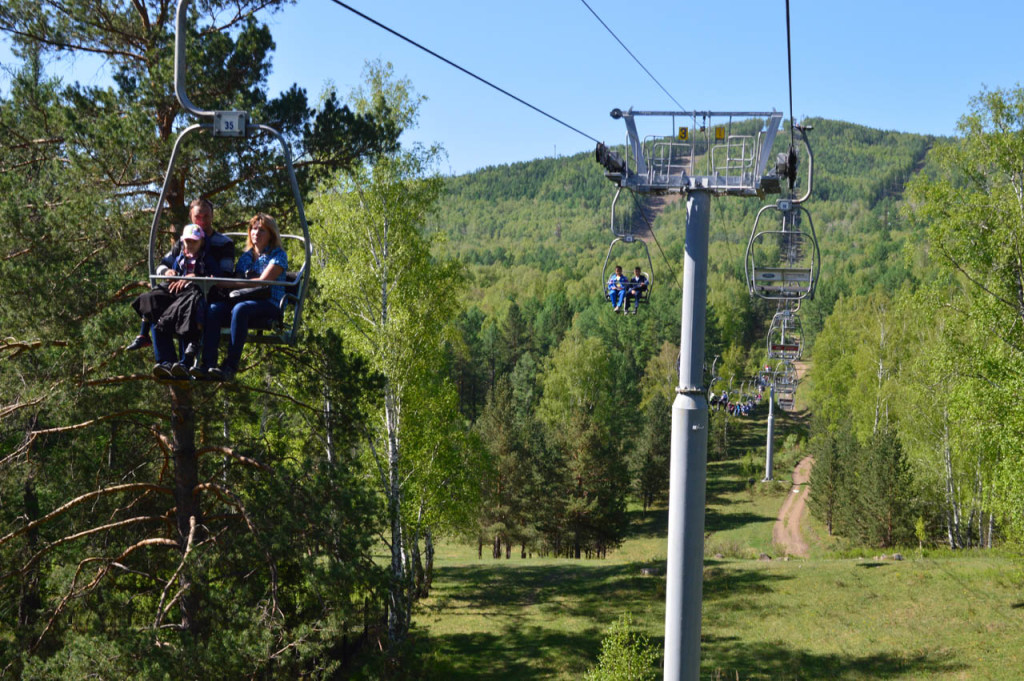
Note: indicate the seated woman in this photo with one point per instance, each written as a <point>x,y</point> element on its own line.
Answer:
<point>263,260</point>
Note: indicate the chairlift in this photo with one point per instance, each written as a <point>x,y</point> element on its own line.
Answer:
<point>785,375</point>
<point>785,386</point>
<point>782,260</point>
<point>625,235</point>
<point>785,336</point>
<point>236,124</point>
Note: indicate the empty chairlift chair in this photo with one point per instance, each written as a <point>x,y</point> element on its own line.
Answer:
<point>782,260</point>
<point>785,337</point>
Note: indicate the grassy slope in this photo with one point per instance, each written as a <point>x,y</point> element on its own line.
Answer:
<point>931,616</point>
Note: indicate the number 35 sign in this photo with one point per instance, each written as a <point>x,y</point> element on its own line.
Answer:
<point>230,123</point>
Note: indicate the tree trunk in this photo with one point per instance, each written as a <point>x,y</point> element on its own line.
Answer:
<point>399,606</point>
<point>186,498</point>
<point>417,568</point>
<point>329,445</point>
<point>29,601</point>
<point>953,519</point>
<point>428,572</point>
<point>418,577</point>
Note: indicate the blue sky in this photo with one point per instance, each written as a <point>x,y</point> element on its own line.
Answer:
<point>890,64</point>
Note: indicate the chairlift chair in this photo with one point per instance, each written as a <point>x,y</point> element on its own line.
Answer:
<point>783,262</point>
<point>236,124</point>
<point>784,373</point>
<point>625,235</point>
<point>785,336</point>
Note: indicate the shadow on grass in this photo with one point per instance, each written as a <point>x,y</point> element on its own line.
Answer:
<point>777,662</point>
<point>526,621</point>
<point>872,565</point>
<point>714,521</point>
<point>721,584</point>
<point>650,525</point>
<point>725,477</point>
<point>577,589</point>
<point>529,652</point>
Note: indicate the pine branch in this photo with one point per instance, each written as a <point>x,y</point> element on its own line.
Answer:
<point>95,494</point>
<point>160,610</point>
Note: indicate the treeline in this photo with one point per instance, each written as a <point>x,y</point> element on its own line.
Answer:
<point>916,387</point>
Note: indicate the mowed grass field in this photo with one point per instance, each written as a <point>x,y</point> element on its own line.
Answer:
<point>933,615</point>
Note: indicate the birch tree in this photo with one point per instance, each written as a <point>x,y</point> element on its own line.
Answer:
<point>396,306</point>
<point>972,206</point>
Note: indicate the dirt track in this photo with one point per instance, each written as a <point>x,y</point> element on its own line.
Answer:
<point>786,532</point>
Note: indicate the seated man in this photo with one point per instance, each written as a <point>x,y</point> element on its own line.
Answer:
<point>617,284</point>
<point>218,255</point>
<point>635,291</point>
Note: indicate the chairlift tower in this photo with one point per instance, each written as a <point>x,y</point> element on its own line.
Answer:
<point>706,153</point>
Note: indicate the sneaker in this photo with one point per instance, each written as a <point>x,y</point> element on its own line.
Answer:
<point>139,343</point>
<point>199,373</point>
<point>178,370</point>
<point>221,373</point>
<point>163,370</point>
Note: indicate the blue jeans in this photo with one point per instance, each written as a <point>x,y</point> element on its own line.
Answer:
<point>635,297</point>
<point>163,346</point>
<point>238,316</point>
<point>617,296</point>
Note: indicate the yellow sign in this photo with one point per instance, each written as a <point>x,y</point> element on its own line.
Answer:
<point>684,133</point>
<point>719,132</point>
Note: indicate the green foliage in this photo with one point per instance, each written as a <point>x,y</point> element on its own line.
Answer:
<point>581,409</point>
<point>648,461</point>
<point>94,574</point>
<point>626,655</point>
<point>831,452</point>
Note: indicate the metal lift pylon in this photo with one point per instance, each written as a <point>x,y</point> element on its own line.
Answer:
<point>710,155</point>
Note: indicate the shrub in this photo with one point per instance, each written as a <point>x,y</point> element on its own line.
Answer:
<point>626,655</point>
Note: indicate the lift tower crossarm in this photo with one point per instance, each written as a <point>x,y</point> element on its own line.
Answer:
<point>733,165</point>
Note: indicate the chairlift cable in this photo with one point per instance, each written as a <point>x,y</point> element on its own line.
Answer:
<point>632,55</point>
<point>650,226</point>
<point>789,63</point>
<point>466,71</point>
